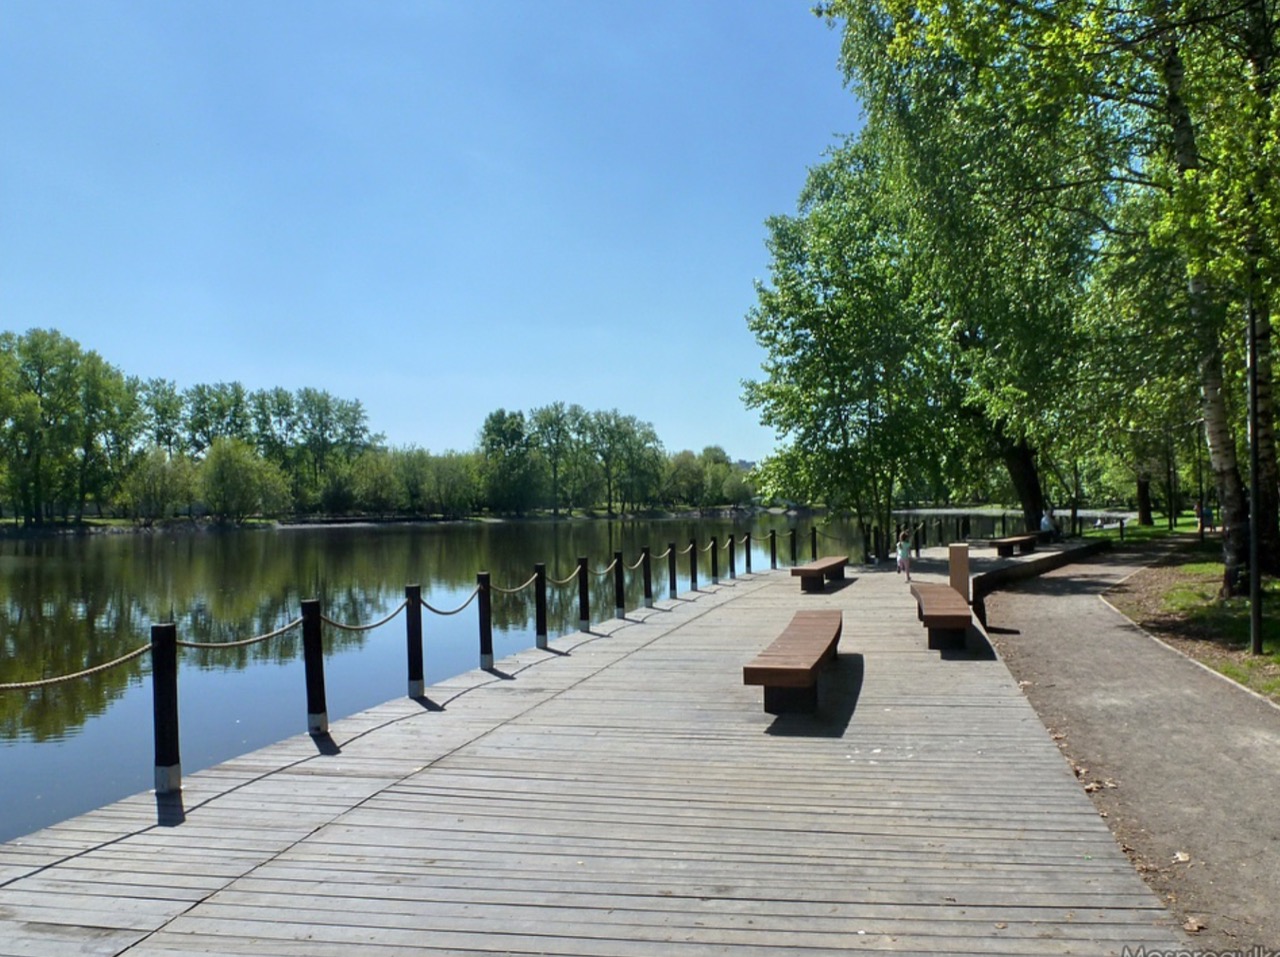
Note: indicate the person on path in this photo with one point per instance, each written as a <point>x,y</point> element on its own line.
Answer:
<point>904,554</point>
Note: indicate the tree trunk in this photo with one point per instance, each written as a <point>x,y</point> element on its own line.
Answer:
<point>1020,460</point>
<point>1222,449</point>
<point>1145,512</point>
<point>1226,472</point>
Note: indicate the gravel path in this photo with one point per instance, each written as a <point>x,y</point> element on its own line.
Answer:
<point>1184,765</point>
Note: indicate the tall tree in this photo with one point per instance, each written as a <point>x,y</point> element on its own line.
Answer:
<point>551,428</point>
<point>506,451</point>
<point>40,435</point>
<point>846,375</point>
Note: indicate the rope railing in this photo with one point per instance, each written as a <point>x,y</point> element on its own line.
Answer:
<point>60,679</point>
<point>453,611</point>
<point>369,627</point>
<point>164,644</point>
<point>241,642</point>
<point>518,589</point>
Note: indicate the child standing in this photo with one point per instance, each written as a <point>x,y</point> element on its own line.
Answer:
<point>904,554</point>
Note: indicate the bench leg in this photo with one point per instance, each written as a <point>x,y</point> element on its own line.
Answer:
<point>812,583</point>
<point>1004,551</point>
<point>947,638</point>
<point>791,700</point>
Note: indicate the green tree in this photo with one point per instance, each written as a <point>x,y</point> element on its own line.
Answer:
<point>40,434</point>
<point>684,479</point>
<point>236,484</point>
<point>641,461</point>
<point>107,422</point>
<point>551,429</point>
<point>158,485</point>
<point>413,472</point>
<point>215,411</point>
<point>846,382</point>
<point>506,454</point>
<point>162,411</point>
<point>454,483</point>
<point>377,482</point>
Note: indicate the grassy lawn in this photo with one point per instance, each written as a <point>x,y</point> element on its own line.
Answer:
<point>1177,600</point>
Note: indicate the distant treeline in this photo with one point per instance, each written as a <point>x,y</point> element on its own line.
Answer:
<point>80,438</point>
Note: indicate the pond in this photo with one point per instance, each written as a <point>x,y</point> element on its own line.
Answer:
<point>71,603</point>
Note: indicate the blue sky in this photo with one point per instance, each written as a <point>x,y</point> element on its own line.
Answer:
<point>437,208</point>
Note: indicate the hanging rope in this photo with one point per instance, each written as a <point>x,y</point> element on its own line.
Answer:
<point>608,568</point>
<point>573,576</point>
<point>472,597</point>
<point>519,588</point>
<point>369,627</point>
<point>46,682</point>
<point>242,642</point>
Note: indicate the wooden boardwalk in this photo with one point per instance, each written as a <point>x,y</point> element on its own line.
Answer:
<point>623,794</point>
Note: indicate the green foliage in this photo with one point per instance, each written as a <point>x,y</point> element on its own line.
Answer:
<point>234,483</point>
<point>158,486</point>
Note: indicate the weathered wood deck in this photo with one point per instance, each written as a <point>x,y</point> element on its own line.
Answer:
<point>623,794</point>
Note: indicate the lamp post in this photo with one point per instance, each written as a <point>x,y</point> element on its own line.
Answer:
<point>1255,573</point>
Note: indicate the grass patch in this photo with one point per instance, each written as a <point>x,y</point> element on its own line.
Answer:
<point>1177,600</point>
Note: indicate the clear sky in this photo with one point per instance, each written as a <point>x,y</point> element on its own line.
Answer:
<point>437,207</point>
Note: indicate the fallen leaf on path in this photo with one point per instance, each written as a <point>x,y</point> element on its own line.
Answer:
<point>1193,926</point>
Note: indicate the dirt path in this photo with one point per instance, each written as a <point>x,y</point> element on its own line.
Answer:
<point>1184,765</point>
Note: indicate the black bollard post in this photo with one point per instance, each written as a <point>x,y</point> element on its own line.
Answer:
<point>540,605</point>
<point>646,567</point>
<point>584,596</point>
<point>746,544</point>
<point>773,548</point>
<point>413,639</point>
<point>1122,529</point>
<point>164,701</point>
<point>619,587</point>
<point>313,665</point>
<point>693,564</point>
<point>485,605</point>
<point>672,591</point>
<point>733,557</point>
<point>813,543</point>
<point>715,561</point>
<point>793,547</point>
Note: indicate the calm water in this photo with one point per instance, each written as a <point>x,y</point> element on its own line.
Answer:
<point>70,603</point>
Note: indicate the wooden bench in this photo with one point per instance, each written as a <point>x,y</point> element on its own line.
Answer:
<point>1023,543</point>
<point>944,612</point>
<point>814,575</point>
<point>788,668</point>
